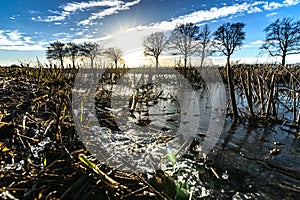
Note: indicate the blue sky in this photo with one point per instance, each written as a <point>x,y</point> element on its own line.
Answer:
<point>27,27</point>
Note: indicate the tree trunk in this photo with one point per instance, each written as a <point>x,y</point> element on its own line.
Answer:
<point>231,91</point>
<point>202,57</point>
<point>283,59</point>
<point>116,64</point>
<point>156,62</point>
<point>92,63</point>
<point>62,63</point>
<point>73,61</point>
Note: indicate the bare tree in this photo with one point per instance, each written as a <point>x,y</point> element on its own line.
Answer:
<point>114,54</point>
<point>91,51</point>
<point>282,38</point>
<point>72,51</point>
<point>56,51</point>
<point>184,39</point>
<point>228,37</point>
<point>205,39</point>
<point>154,44</point>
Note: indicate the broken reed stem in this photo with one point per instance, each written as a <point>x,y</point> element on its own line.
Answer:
<point>261,95</point>
<point>102,176</point>
<point>247,91</point>
<point>250,104</point>
<point>270,98</point>
<point>294,99</point>
<point>275,94</point>
<point>57,124</point>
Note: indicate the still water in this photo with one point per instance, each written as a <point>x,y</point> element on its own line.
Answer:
<point>152,121</point>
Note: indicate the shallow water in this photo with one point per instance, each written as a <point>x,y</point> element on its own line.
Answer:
<point>246,154</point>
<point>253,161</point>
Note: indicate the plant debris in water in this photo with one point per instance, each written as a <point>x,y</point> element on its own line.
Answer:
<point>42,157</point>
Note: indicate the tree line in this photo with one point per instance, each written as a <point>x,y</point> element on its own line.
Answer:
<point>282,39</point>
<point>90,50</point>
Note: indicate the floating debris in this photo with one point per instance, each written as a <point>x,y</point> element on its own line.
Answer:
<point>275,151</point>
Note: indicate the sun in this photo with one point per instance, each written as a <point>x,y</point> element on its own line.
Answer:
<point>134,58</point>
<point>131,43</point>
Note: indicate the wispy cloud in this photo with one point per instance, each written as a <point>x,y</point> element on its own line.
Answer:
<point>53,18</point>
<point>14,40</point>
<point>72,7</point>
<point>90,39</point>
<point>275,5</point>
<point>257,42</point>
<point>215,13</point>
<point>271,14</point>
<point>272,5</point>
<point>291,2</point>
<point>109,11</point>
<point>208,15</point>
<point>109,7</point>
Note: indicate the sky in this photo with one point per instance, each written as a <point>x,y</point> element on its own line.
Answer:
<point>28,27</point>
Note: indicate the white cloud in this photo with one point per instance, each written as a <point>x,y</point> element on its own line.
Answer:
<point>272,6</point>
<point>54,18</point>
<point>109,11</point>
<point>208,15</point>
<point>258,42</point>
<point>271,14</point>
<point>14,40</point>
<point>72,7</point>
<point>43,43</point>
<point>60,35</point>
<point>110,7</point>
<point>258,3</point>
<point>254,10</point>
<point>275,5</point>
<point>291,2</point>
<point>89,39</point>
<point>215,13</point>
<point>28,40</point>
<point>14,35</point>
<point>23,47</point>
<point>8,38</point>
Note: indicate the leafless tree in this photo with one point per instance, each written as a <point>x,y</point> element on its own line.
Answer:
<point>91,51</point>
<point>184,39</point>
<point>115,54</point>
<point>282,38</point>
<point>154,45</point>
<point>56,51</point>
<point>72,51</point>
<point>228,37</point>
<point>204,39</point>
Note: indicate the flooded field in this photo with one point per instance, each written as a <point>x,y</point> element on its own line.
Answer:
<point>255,160</point>
<point>154,136</point>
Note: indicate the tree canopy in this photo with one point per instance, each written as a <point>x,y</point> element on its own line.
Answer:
<point>184,39</point>
<point>282,38</point>
<point>228,37</point>
<point>154,45</point>
<point>73,52</point>
<point>114,54</point>
<point>56,51</point>
<point>91,51</point>
<point>204,39</point>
